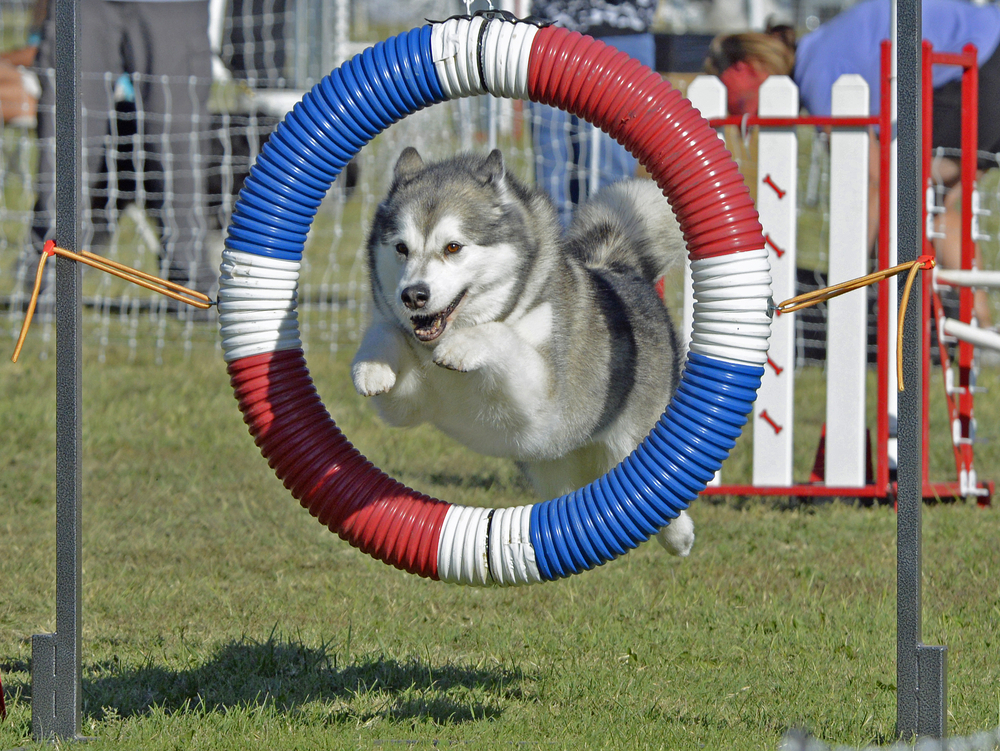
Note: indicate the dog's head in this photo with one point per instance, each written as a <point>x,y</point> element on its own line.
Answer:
<point>449,243</point>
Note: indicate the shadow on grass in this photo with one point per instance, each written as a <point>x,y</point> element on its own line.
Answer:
<point>286,676</point>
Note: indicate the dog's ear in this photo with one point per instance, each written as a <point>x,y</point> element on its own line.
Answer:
<point>493,168</point>
<point>408,164</point>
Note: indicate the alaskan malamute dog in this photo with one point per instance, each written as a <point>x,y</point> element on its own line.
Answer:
<point>516,339</point>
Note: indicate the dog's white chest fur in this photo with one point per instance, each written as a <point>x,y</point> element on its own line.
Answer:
<point>488,386</point>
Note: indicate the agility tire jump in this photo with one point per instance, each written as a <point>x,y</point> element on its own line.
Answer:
<point>496,54</point>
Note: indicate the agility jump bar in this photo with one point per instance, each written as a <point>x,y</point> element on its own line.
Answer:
<point>468,56</point>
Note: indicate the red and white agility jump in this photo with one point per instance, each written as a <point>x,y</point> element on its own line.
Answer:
<point>846,452</point>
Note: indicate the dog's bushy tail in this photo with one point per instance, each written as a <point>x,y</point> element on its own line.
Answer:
<point>628,224</point>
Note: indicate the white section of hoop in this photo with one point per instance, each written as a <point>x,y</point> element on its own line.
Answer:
<point>736,328</point>
<point>240,316</point>
<point>739,265</point>
<point>259,345</point>
<point>259,325</point>
<point>462,546</point>
<point>256,310</point>
<point>731,312</point>
<point>258,272</point>
<point>481,546</point>
<point>506,48</point>
<point>511,554</point>
<point>455,52</point>
<point>732,287</point>
<point>273,284</point>
<point>714,316</point>
<point>244,289</point>
<point>234,305</point>
<point>238,262</point>
<point>745,260</point>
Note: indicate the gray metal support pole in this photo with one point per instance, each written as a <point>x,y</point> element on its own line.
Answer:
<point>56,685</point>
<point>921,700</point>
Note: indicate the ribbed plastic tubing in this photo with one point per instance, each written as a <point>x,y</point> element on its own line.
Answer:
<point>461,57</point>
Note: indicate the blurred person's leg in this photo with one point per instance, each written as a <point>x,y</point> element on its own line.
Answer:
<point>948,249</point>
<point>98,34</point>
<point>615,162</point>
<point>173,58</point>
<point>101,34</point>
<point>563,146</point>
<point>552,134</point>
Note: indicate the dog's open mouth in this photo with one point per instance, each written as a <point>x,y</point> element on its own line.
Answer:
<point>429,328</point>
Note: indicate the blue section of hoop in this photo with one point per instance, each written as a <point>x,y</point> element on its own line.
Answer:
<point>594,524</point>
<point>323,132</point>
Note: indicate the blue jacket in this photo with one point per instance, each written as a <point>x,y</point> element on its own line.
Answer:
<point>849,43</point>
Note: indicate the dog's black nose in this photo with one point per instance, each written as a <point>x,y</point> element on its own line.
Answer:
<point>416,296</point>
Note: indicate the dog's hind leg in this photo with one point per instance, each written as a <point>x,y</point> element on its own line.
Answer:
<point>678,536</point>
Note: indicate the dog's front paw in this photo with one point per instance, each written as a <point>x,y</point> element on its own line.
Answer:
<point>463,351</point>
<point>678,536</point>
<point>372,378</point>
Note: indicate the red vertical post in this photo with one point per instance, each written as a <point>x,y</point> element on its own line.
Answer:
<point>970,146</point>
<point>927,122</point>
<point>884,188</point>
<point>967,60</point>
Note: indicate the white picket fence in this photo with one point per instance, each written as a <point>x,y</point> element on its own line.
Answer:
<point>777,204</point>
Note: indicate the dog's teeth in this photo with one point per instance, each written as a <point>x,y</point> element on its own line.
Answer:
<point>429,329</point>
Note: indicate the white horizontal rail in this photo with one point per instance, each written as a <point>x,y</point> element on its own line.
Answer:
<point>972,334</point>
<point>968,277</point>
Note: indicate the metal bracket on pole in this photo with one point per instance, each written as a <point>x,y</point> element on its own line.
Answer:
<point>921,670</point>
<point>55,658</point>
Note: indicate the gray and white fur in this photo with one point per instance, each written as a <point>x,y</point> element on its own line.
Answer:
<point>513,338</point>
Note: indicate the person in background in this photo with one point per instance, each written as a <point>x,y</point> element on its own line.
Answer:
<point>18,88</point>
<point>564,144</point>
<point>155,56</point>
<point>850,43</point>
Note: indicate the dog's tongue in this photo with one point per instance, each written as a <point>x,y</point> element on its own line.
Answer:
<point>428,329</point>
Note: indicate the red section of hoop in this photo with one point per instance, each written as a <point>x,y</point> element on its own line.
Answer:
<point>328,476</point>
<point>670,138</point>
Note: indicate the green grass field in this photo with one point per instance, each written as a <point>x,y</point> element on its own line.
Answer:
<point>218,614</point>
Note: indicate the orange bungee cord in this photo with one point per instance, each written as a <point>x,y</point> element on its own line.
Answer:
<point>822,295</point>
<point>170,289</point>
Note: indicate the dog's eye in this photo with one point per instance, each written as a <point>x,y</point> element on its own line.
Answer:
<point>402,249</point>
<point>452,248</point>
